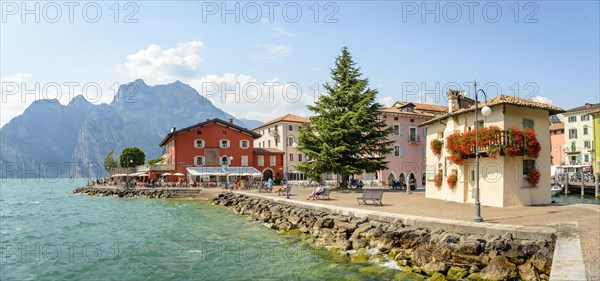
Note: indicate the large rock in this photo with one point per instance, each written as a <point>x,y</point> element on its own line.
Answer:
<point>527,272</point>
<point>457,273</point>
<point>499,269</point>
<point>434,267</point>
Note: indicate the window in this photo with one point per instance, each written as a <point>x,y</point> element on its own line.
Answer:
<point>585,117</point>
<point>273,160</point>
<point>225,160</point>
<point>572,133</point>
<point>290,141</point>
<point>300,157</point>
<point>224,143</point>
<point>244,160</point>
<point>198,143</point>
<point>440,135</point>
<point>528,123</point>
<point>586,144</point>
<point>290,127</point>
<point>412,134</point>
<point>585,130</point>
<point>224,133</point>
<point>586,158</point>
<point>412,120</point>
<point>572,118</point>
<point>395,118</point>
<point>261,160</point>
<point>527,165</point>
<point>199,160</point>
<point>396,150</point>
<point>424,131</point>
<point>269,143</point>
<point>244,144</point>
<point>299,127</point>
<point>291,157</point>
<point>198,132</point>
<point>396,130</point>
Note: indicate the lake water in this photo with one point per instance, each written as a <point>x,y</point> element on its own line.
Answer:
<point>48,233</point>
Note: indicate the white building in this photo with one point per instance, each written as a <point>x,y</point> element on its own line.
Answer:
<point>579,135</point>
<point>282,133</point>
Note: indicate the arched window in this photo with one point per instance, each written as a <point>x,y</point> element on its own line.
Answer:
<point>290,141</point>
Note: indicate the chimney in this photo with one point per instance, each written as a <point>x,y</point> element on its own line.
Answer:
<point>230,121</point>
<point>173,129</point>
<point>452,100</point>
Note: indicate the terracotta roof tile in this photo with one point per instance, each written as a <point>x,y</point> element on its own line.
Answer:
<point>502,99</point>
<point>286,118</point>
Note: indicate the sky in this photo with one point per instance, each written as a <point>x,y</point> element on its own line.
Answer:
<point>261,60</point>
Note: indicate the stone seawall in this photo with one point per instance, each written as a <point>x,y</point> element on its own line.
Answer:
<point>433,253</point>
<point>150,193</point>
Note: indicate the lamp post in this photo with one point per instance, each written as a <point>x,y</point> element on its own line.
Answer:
<point>127,172</point>
<point>485,111</point>
<point>287,190</point>
<point>230,158</point>
<point>90,173</point>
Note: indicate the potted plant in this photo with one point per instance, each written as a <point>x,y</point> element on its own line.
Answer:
<point>437,180</point>
<point>436,146</point>
<point>533,177</point>
<point>452,180</point>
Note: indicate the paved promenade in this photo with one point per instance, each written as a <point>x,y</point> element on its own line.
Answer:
<point>586,217</point>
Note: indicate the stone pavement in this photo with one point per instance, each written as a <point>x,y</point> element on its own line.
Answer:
<point>587,217</point>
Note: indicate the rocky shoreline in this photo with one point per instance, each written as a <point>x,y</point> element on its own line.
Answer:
<point>127,193</point>
<point>428,253</point>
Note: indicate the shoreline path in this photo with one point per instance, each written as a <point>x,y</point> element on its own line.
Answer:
<point>586,216</point>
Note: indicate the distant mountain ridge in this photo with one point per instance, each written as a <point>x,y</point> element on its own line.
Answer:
<point>54,140</point>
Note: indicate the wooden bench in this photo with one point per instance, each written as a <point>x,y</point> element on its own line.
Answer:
<point>371,195</point>
<point>324,195</point>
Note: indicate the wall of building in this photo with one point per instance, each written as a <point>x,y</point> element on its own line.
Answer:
<point>411,158</point>
<point>276,169</point>
<point>268,140</point>
<point>579,141</point>
<point>212,134</point>
<point>596,126</point>
<point>501,181</point>
<point>557,141</point>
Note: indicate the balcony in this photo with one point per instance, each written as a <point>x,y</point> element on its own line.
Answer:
<point>572,149</point>
<point>414,139</point>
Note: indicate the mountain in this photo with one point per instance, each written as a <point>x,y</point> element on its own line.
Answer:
<point>251,123</point>
<point>53,140</point>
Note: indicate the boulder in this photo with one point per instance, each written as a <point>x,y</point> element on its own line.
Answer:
<point>434,267</point>
<point>527,272</point>
<point>457,273</point>
<point>499,269</point>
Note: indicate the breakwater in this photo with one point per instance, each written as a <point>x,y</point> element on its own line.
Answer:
<point>435,253</point>
<point>138,192</point>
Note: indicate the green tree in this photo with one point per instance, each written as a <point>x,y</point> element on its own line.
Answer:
<point>154,161</point>
<point>109,161</point>
<point>131,157</point>
<point>346,136</point>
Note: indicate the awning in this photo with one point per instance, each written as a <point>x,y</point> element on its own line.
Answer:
<point>223,171</point>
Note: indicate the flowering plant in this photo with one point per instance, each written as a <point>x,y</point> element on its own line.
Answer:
<point>436,146</point>
<point>437,180</point>
<point>533,177</point>
<point>452,180</point>
<point>531,146</point>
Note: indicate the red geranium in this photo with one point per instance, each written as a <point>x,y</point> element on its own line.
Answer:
<point>437,180</point>
<point>533,177</point>
<point>436,146</point>
<point>452,180</point>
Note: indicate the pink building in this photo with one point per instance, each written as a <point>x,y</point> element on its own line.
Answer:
<point>557,141</point>
<point>407,159</point>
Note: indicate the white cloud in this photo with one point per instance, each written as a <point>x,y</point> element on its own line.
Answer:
<point>281,32</point>
<point>272,52</point>
<point>157,65</point>
<point>245,97</point>
<point>17,78</point>
<point>542,99</point>
<point>387,101</point>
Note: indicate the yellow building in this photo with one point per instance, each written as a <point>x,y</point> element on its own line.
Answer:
<point>502,179</point>
<point>596,128</point>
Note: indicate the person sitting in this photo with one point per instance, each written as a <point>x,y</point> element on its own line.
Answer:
<point>316,192</point>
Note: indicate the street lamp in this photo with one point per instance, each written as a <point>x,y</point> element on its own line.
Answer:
<point>127,172</point>
<point>230,158</point>
<point>485,111</point>
<point>287,164</point>
<point>90,173</point>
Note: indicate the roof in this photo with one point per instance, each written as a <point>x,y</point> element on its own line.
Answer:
<point>501,99</point>
<point>207,122</point>
<point>557,126</point>
<point>585,107</point>
<point>420,109</point>
<point>259,150</point>
<point>286,118</point>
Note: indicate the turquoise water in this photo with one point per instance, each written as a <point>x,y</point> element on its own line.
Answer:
<point>48,233</point>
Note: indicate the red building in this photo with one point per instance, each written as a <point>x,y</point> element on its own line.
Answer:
<point>215,150</point>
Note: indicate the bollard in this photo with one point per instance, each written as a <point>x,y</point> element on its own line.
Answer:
<point>597,183</point>
<point>567,184</point>
<point>582,186</point>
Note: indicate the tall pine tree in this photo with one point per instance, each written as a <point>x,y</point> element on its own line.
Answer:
<point>346,136</point>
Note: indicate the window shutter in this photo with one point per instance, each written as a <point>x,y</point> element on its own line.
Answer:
<point>401,150</point>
